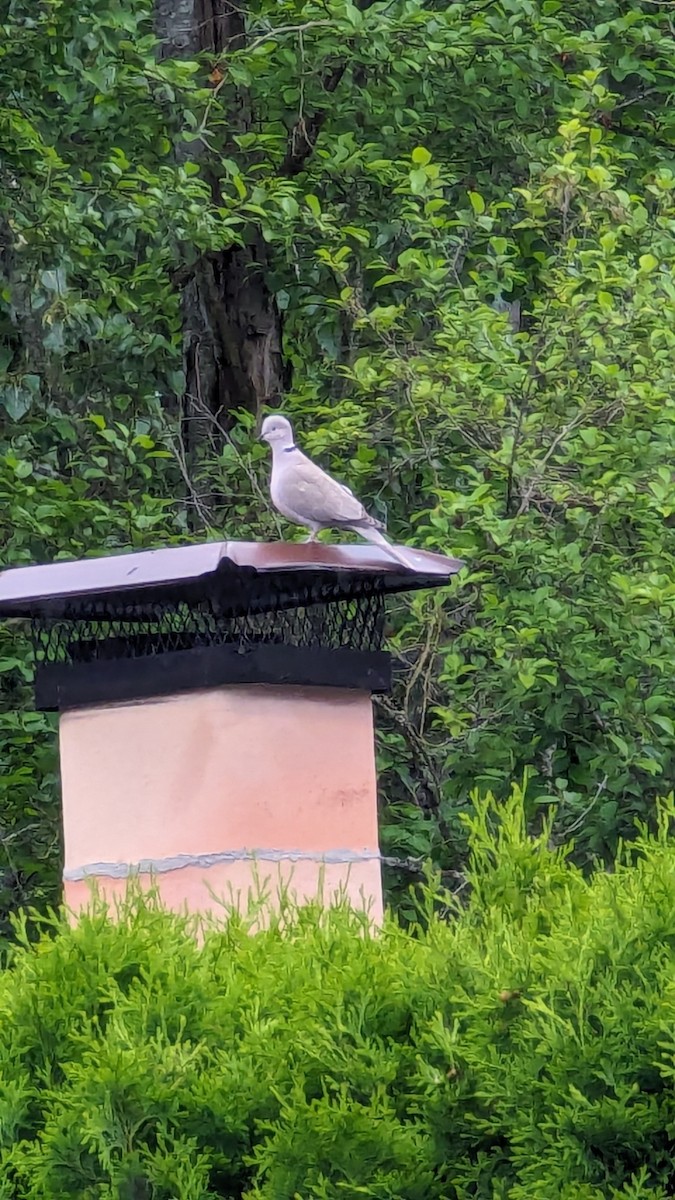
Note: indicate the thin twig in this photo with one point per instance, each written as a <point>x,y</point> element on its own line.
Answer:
<point>202,409</point>
<point>567,833</point>
<point>539,469</point>
<point>180,457</point>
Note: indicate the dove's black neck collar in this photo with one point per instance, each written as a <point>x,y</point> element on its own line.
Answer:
<point>287,449</point>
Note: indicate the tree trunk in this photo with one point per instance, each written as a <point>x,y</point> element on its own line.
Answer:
<point>232,328</point>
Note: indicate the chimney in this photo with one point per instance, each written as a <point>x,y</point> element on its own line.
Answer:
<point>215,715</point>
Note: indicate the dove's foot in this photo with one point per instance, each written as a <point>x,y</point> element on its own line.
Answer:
<point>312,538</point>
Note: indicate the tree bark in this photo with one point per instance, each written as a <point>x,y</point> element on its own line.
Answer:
<point>232,328</point>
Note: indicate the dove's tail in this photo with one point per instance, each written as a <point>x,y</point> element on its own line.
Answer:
<point>372,534</point>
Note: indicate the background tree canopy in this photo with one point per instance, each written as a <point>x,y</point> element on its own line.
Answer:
<point>446,233</point>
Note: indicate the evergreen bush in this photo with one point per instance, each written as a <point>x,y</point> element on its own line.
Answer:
<point>519,1046</point>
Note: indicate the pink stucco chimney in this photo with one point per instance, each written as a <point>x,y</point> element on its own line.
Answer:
<point>215,716</point>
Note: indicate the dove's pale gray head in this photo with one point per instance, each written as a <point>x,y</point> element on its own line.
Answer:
<point>278,431</point>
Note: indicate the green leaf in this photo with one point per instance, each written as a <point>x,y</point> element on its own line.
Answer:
<point>54,281</point>
<point>418,181</point>
<point>648,262</point>
<point>16,402</point>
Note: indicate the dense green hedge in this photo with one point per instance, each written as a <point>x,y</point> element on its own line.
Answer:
<point>522,1046</point>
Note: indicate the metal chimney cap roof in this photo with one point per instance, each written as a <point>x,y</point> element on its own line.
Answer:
<point>186,572</point>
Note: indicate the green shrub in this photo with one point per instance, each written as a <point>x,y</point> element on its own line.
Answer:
<point>522,1048</point>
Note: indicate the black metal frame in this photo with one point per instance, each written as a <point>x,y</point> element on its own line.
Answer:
<point>96,630</point>
<point>116,649</point>
<point>61,686</point>
<point>132,626</point>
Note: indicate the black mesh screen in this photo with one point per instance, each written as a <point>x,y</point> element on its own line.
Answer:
<point>103,630</point>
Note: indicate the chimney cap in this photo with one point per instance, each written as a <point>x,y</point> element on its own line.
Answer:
<point>242,572</point>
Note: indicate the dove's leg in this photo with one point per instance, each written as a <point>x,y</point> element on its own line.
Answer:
<point>312,537</point>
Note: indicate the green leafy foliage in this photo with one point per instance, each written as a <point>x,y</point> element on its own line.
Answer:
<point>93,213</point>
<point>468,219</point>
<point>524,1047</point>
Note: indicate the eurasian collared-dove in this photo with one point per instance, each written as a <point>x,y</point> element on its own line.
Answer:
<point>306,495</point>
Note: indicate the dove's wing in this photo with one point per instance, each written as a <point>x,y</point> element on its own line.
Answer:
<point>305,490</point>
